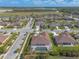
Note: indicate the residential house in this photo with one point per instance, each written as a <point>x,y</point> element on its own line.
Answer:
<point>41,42</point>
<point>3,38</point>
<point>65,39</point>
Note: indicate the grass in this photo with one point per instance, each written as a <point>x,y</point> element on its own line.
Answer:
<point>28,13</point>
<point>61,57</point>
<point>61,27</point>
<point>75,28</point>
<point>54,57</point>
<point>26,49</point>
<point>8,43</point>
<point>52,28</point>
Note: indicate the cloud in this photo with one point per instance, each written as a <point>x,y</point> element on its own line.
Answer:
<point>59,0</point>
<point>40,3</point>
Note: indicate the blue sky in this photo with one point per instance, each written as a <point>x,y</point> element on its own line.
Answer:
<point>39,3</point>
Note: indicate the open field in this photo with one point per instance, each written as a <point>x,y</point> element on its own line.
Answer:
<point>28,13</point>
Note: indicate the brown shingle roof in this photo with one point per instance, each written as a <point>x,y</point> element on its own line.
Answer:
<point>42,38</point>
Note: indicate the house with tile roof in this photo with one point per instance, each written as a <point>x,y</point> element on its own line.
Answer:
<point>3,38</point>
<point>65,39</point>
<point>41,42</point>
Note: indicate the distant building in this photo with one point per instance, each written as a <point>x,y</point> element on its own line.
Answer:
<point>65,39</point>
<point>6,18</point>
<point>41,42</point>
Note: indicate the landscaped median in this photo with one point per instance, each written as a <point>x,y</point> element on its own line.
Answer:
<point>8,42</point>
<point>26,47</point>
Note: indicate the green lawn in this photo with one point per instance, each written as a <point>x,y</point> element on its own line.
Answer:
<point>54,57</point>
<point>28,13</point>
<point>61,27</point>
<point>61,57</point>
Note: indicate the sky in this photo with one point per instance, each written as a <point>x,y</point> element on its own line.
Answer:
<point>39,3</point>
